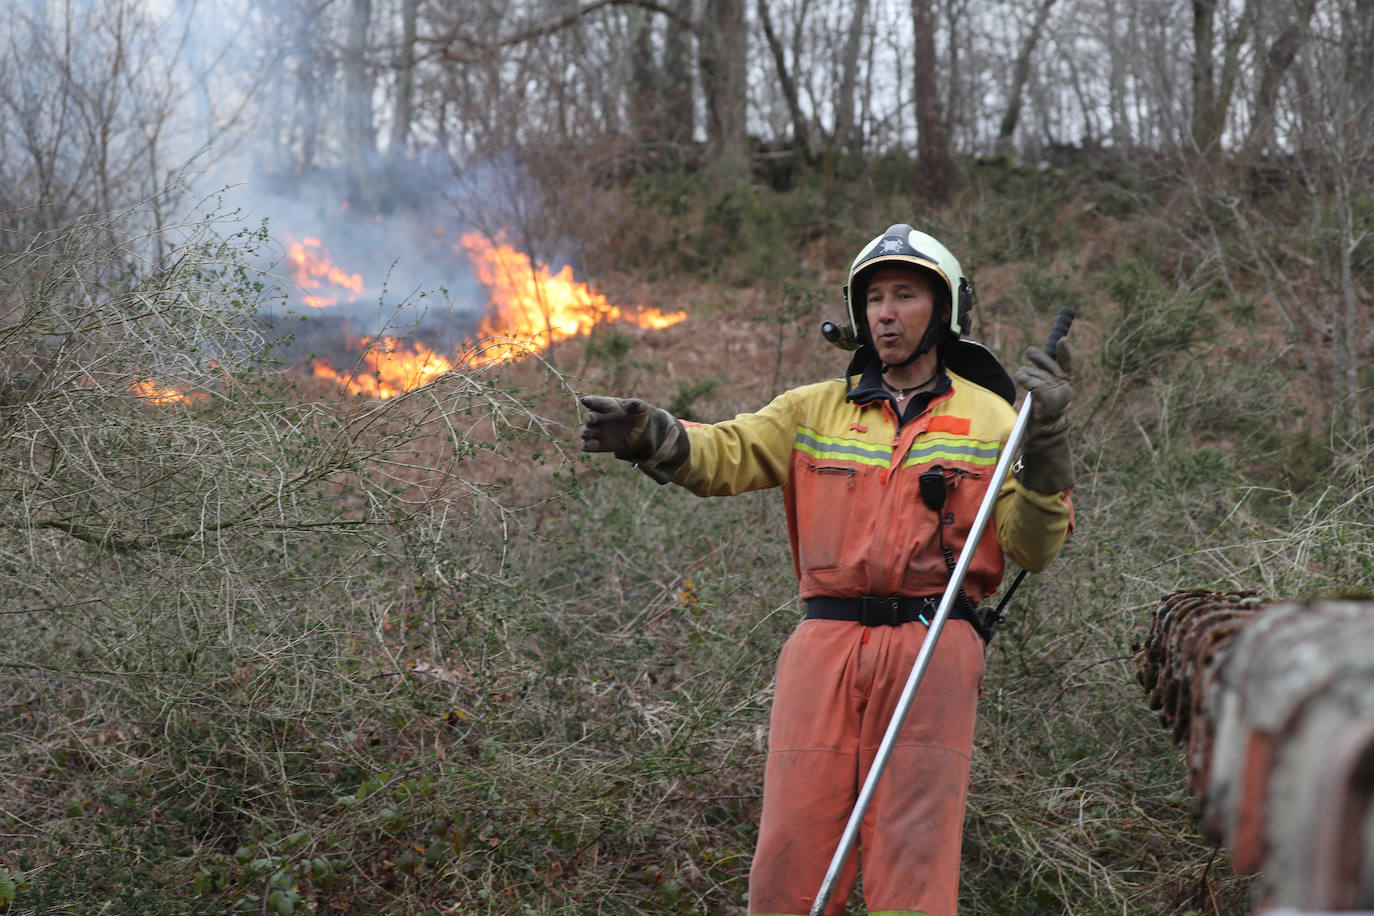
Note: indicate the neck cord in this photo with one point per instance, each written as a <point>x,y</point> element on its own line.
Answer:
<point>901,393</point>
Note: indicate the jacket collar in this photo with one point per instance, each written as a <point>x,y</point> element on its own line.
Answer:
<point>870,389</point>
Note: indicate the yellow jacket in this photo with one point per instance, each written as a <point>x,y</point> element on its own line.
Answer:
<point>849,472</point>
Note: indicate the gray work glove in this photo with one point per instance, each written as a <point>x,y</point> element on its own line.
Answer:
<point>1046,465</point>
<point>635,431</point>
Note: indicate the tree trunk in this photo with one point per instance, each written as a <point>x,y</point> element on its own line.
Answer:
<point>800,131</point>
<point>1212,99</point>
<point>307,96</point>
<point>1279,58</point>
<point>1360,28</point>
<point>1019,74</point>
<point>358,133</point>
<point>1121,133</point>
<point>847,134</point>
<point>1347,322</point>
<point>646,115</point>
<point>722,46</point>
<point>679,106</point>
<point>954,105</point>
<point>1092,132</point>
<point>405,83</point>
<point>1204,77</point>
<point>935,168</point>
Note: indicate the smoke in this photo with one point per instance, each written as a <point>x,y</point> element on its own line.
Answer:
<point>287,134</point>
<point>251,109</point>
<point>406,271</point>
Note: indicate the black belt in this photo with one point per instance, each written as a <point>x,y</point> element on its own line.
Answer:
<point>872,611</point>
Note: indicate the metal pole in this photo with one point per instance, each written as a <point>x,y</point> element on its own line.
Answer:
<point>918,670</point>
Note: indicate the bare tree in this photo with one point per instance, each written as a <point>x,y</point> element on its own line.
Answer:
<point>935,167</point>
<point>847,133</point>
<point>1019,74</point>
<point>1279,57</point>
<point>800,129</point>
<point>500,79</point>
<point>404,112</point>
<point>1121,133</point>
<point>1358,25</point>
<point>722,44</point>
<point>302,119</point>
<point>102,105</point>
<point>645,103</point>
<point>359,134</point>
<point>955,52</point>
<point>679,103</point>
<point>1204,76</point>
<point>1212,96</point>
<point>1311,261</point>
<point>660,94</point>
<point>1343,125</point>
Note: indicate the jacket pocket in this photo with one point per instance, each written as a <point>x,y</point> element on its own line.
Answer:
<point>825,497</point>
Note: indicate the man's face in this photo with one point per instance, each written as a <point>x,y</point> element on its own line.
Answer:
<point>899,306</point>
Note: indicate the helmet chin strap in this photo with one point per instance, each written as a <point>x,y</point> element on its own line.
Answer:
<point>928,341</point>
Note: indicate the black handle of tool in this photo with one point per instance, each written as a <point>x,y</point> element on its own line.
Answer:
<point>1061,327</point>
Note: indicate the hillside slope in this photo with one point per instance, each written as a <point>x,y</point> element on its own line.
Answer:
<point>419,655</point>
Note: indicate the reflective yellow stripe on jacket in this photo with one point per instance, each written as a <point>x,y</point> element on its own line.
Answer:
<point>850,485</point>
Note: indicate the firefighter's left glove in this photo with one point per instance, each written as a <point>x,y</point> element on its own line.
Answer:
<point>1046,464</point>
<point>635,431</point>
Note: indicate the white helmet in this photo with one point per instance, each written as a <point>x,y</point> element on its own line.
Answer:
<point>902,245</point>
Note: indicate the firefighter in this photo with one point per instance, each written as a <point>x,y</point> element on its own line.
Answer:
<point>873,558</point>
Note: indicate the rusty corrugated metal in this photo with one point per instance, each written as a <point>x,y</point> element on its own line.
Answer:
<point>1274,704</point>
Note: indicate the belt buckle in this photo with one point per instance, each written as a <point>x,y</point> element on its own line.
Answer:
<point>880,612</point>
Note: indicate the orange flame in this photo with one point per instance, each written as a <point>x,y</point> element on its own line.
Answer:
<point>387,368</point>
<point>535,307</point>
<point>311,267</point>
<point>529,308</point>
<point>160,395</point>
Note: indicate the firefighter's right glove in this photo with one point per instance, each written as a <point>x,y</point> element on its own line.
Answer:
<point>1046,466</point>
<point>635,431</point>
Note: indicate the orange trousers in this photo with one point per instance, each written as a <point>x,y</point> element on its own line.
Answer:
<point>837,685</point>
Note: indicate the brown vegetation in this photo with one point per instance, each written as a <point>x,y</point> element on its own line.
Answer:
<point>270,647</point>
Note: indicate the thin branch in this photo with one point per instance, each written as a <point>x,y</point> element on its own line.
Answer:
<point>443,44</point>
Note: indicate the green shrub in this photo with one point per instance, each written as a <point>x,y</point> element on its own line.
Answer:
<point>1156,321</point>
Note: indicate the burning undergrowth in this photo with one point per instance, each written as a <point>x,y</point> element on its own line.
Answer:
<point>419,274</point>
<point>529,307</point>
